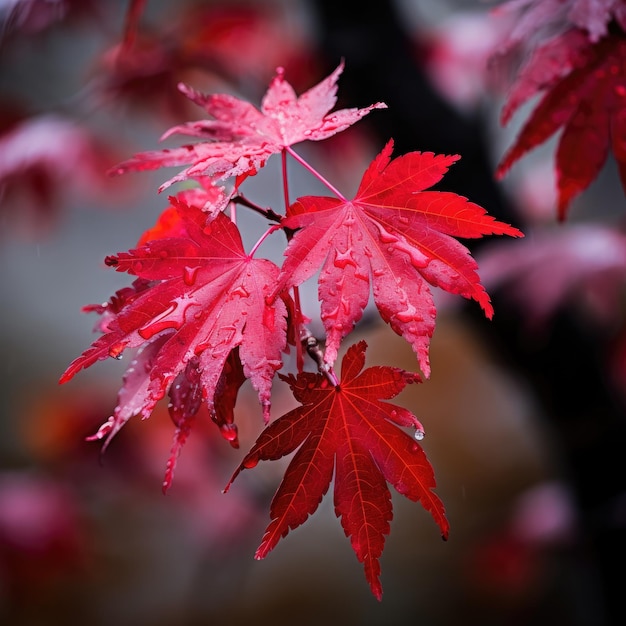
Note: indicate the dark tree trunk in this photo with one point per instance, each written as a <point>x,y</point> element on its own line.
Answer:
<point>568,369</point>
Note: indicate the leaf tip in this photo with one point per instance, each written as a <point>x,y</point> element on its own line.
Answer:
<point>262,551</point>
<point>116,170</point>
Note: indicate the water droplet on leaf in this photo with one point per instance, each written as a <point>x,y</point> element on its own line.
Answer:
<point>240,291</point>
<point>344,258</point>
<point>251,461</point>
<point>190,274</point>
<point>160,322</point>
<point>115,351</point>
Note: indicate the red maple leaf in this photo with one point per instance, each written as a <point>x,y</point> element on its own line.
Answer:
<point>347,430</point>
<point>587,103</point>
<point>397,237</point>
<point>240,138</point>
<point>580,73</point>
<point>199,299</point>
<point>186,401</point>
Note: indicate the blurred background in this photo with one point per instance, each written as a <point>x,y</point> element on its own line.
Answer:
<point>524,414</point>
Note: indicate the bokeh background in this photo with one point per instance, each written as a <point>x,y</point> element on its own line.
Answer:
<point>524,422</point>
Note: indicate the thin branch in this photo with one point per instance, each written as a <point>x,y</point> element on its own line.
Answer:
<point>312,346</point>
<point>268,213</point>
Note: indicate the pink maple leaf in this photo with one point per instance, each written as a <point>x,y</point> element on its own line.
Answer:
<point>240,138</point>
<point>585,92</point>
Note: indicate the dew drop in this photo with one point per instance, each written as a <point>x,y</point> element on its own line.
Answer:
<point>419,434</point>
<point>410,314</point>
<point>240,291</point>
<point>229,432</point>
<point>330,315</point>
<point>269,319</point>
<point>201,347</point>
<point>343,258</point>
<point>349,219</point>
<point>115,351</point>
<point>251,462</point>
<point>361,275</point>
<point>190,274</point>
<point>385,235</point>
<point>160,322</point>
<point>345,306</point>
<point>219,351</point>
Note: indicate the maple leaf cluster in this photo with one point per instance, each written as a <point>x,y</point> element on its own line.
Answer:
<point>572,56</point>
<point>203,315</point>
